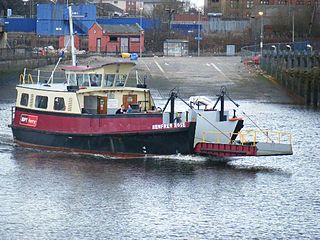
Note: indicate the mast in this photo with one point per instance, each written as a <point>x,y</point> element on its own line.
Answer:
<point>74,61</point>
<point>172,98</point>
<point>222,116</point>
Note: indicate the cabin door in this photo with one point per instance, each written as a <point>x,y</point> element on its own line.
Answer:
<point>98,45</point>
<point>102,105</point>
<point>124,45</point>
<point>129,99</point>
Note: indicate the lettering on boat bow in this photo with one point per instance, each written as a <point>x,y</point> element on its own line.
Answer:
<point>28,120</point>
<point>169,125</point>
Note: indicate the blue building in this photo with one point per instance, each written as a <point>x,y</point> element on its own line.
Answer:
<point>27,25</point>
<point>53,19</point>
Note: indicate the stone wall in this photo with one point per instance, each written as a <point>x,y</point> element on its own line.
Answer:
<point>19,64</point>
<point>298,72</point>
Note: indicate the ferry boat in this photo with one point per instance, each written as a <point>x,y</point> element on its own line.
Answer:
<point>80,115</point>
<point>85,113</point>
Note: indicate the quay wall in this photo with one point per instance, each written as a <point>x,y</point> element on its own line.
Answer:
<point>298,72</point>
<point>12,59</point>
<point>20,64</point>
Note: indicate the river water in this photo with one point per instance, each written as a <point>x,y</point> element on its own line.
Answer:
<point>52,195</point>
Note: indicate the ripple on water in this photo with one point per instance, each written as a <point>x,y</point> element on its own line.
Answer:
<point>52,195</point>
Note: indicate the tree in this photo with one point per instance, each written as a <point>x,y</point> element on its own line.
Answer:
<point>282,22</point>
<point>315,19</point>
<point>3,8</point>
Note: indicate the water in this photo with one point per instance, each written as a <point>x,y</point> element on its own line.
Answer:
<point>52,195</point>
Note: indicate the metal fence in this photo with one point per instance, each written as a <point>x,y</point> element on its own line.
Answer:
<point>295,66</point>
<point>15,53</point>
<point>298,48</point>
<point>7,54</point>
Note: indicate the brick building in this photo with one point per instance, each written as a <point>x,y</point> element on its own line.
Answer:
<point>64,42</point>
<point>115,38</point>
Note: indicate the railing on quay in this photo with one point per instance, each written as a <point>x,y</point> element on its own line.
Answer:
<point>295,66</point>
<point>248,53</point>
<point>7,54</point>
<point>15,53</point>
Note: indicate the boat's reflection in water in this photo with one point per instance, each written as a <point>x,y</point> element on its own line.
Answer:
<point>166,165</point>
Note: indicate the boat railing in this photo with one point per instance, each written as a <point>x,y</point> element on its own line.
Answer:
<point>32,76</point>
<point>252,137</point>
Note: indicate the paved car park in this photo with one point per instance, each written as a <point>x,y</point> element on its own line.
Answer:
<point>206,75</point>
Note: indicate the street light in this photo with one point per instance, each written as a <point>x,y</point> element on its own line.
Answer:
<point>140,43</point>
<point>261,33</point>
<point>288,46</point>
<point>170,12</point>
<point>274,48</point>
<point>189,33</point>
<point>291,11</point>
<point>309,46</point>
<point>25,4</point>
<point>198,38</point>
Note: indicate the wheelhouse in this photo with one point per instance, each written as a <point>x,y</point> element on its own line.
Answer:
<point>89,90</point>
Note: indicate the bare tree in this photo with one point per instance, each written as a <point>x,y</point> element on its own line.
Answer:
<point>314,22</point>
<point>282,23</point>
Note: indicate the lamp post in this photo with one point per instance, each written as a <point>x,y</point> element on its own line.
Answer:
<point>25,5</point>
<point>198,38</point>
<point>292,26</point>
<point>309,46</point>
<point>170,12</point>
<point>291,11</point>
<point>189,33</point>
<point>140,43</point>
<point>261,32</point>
<point>31,4</point>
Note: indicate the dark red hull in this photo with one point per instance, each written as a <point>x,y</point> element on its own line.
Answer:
<point>136,134</point>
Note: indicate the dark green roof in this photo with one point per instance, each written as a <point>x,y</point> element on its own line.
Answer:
<point>121,28</point>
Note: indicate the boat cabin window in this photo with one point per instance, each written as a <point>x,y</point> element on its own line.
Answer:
<point>71,78</point>
<point>95,80</point>
<point>120,80</point>
<point>59,104</point>
<point>114,80</point>
<point>109,80</point>
<point>24,99</point>
<point>41,102</point>
<point>83,80</point>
